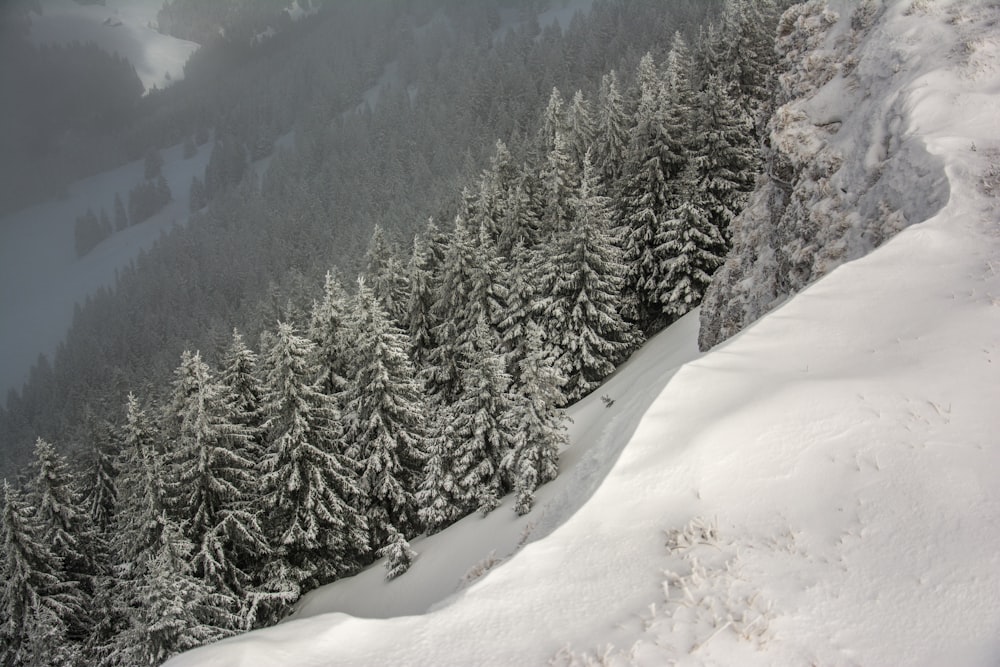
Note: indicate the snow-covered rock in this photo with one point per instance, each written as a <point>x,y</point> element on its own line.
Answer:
<point>845,170</point>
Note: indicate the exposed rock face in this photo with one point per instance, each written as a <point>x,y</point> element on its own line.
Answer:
<point>842,173</point>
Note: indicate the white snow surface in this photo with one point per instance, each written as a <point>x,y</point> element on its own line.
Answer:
<point>821,489</point>
<point>158,59</point>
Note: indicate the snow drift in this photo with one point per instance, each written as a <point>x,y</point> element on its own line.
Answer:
<point>820,489</point>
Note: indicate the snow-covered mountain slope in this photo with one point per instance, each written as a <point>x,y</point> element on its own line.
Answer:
<point>821,489</point>
<point>41,278</point>
<point>121,26</point>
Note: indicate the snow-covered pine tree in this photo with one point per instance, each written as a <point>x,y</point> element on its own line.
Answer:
<point>397,553</point>
<point>311,488</point>
<point>553,122</point>
<point>613,134</point>
<point>558,178</point>
<point>136,531</point>
<point>482,428</point>
<point>519,224</point>
<point>101,507</point>
<point>386,276</point>
<point>244,392</point>
<point>385,413</point>
<point>217,482</point>
<point>437,498</point>
<point>538,423</point>
<point>473,289</point>
<point>584,329</point>
<point>493,184</point>
<point>647,197</point>
<point>680,100</point>
<point>580,127</point>
<point>725,157</point>
<point>143,495</point>
<point>326,330</point>
<point>693,248</point>
<point>175,610</point>
<point>745,50</point>
<point>450,308</point>
<point>35,599</point>
<point>66,528</point>
<point>523,307</point>
<point>102,496</point>
<point>420,274</point>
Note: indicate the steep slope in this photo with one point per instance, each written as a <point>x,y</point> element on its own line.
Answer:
<point>42,279</point>
<point>821,489</point>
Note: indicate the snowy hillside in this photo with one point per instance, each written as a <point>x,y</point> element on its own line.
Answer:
<point>820,489</point>
<point>41,278</point>
<point>121,26</point>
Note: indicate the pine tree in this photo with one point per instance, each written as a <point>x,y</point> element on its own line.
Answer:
<point>143,493</point>
<point>386,276</point>
<point>420,274</point>
<point>176,611</point>
<point>35,599</point>
<point>745,51</point>
<point>397,553</point>
<point>216,483</point>
<point>102,506</point>
<point>694,248</point>
<point>471,290</point>
<point>103,491</point>
<point>239,377</point>
<point>580,127</point>
<point>679,103</point>
<point>538,423</point>
<point>612,135</point>
<point>327,332</point>
<point>558,178</point>
<point>725,158</point>
<point>482,429</point>
<point>385,424</point>
<point>438,496</point>
<point>519,224</point>
<point>524,303</point>
<point>311,488</point>
<point>649,193</point>
<point>553,122</point>
<point>585,329</point>
<point>136,533</point>
<point>65,527</point>
<point>121,217</point>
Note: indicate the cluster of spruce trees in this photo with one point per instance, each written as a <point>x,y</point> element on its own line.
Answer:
<point>145,200</point>
<point>429,392</point>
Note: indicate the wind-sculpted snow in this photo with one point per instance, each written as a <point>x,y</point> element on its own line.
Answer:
<point>846,168</point>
